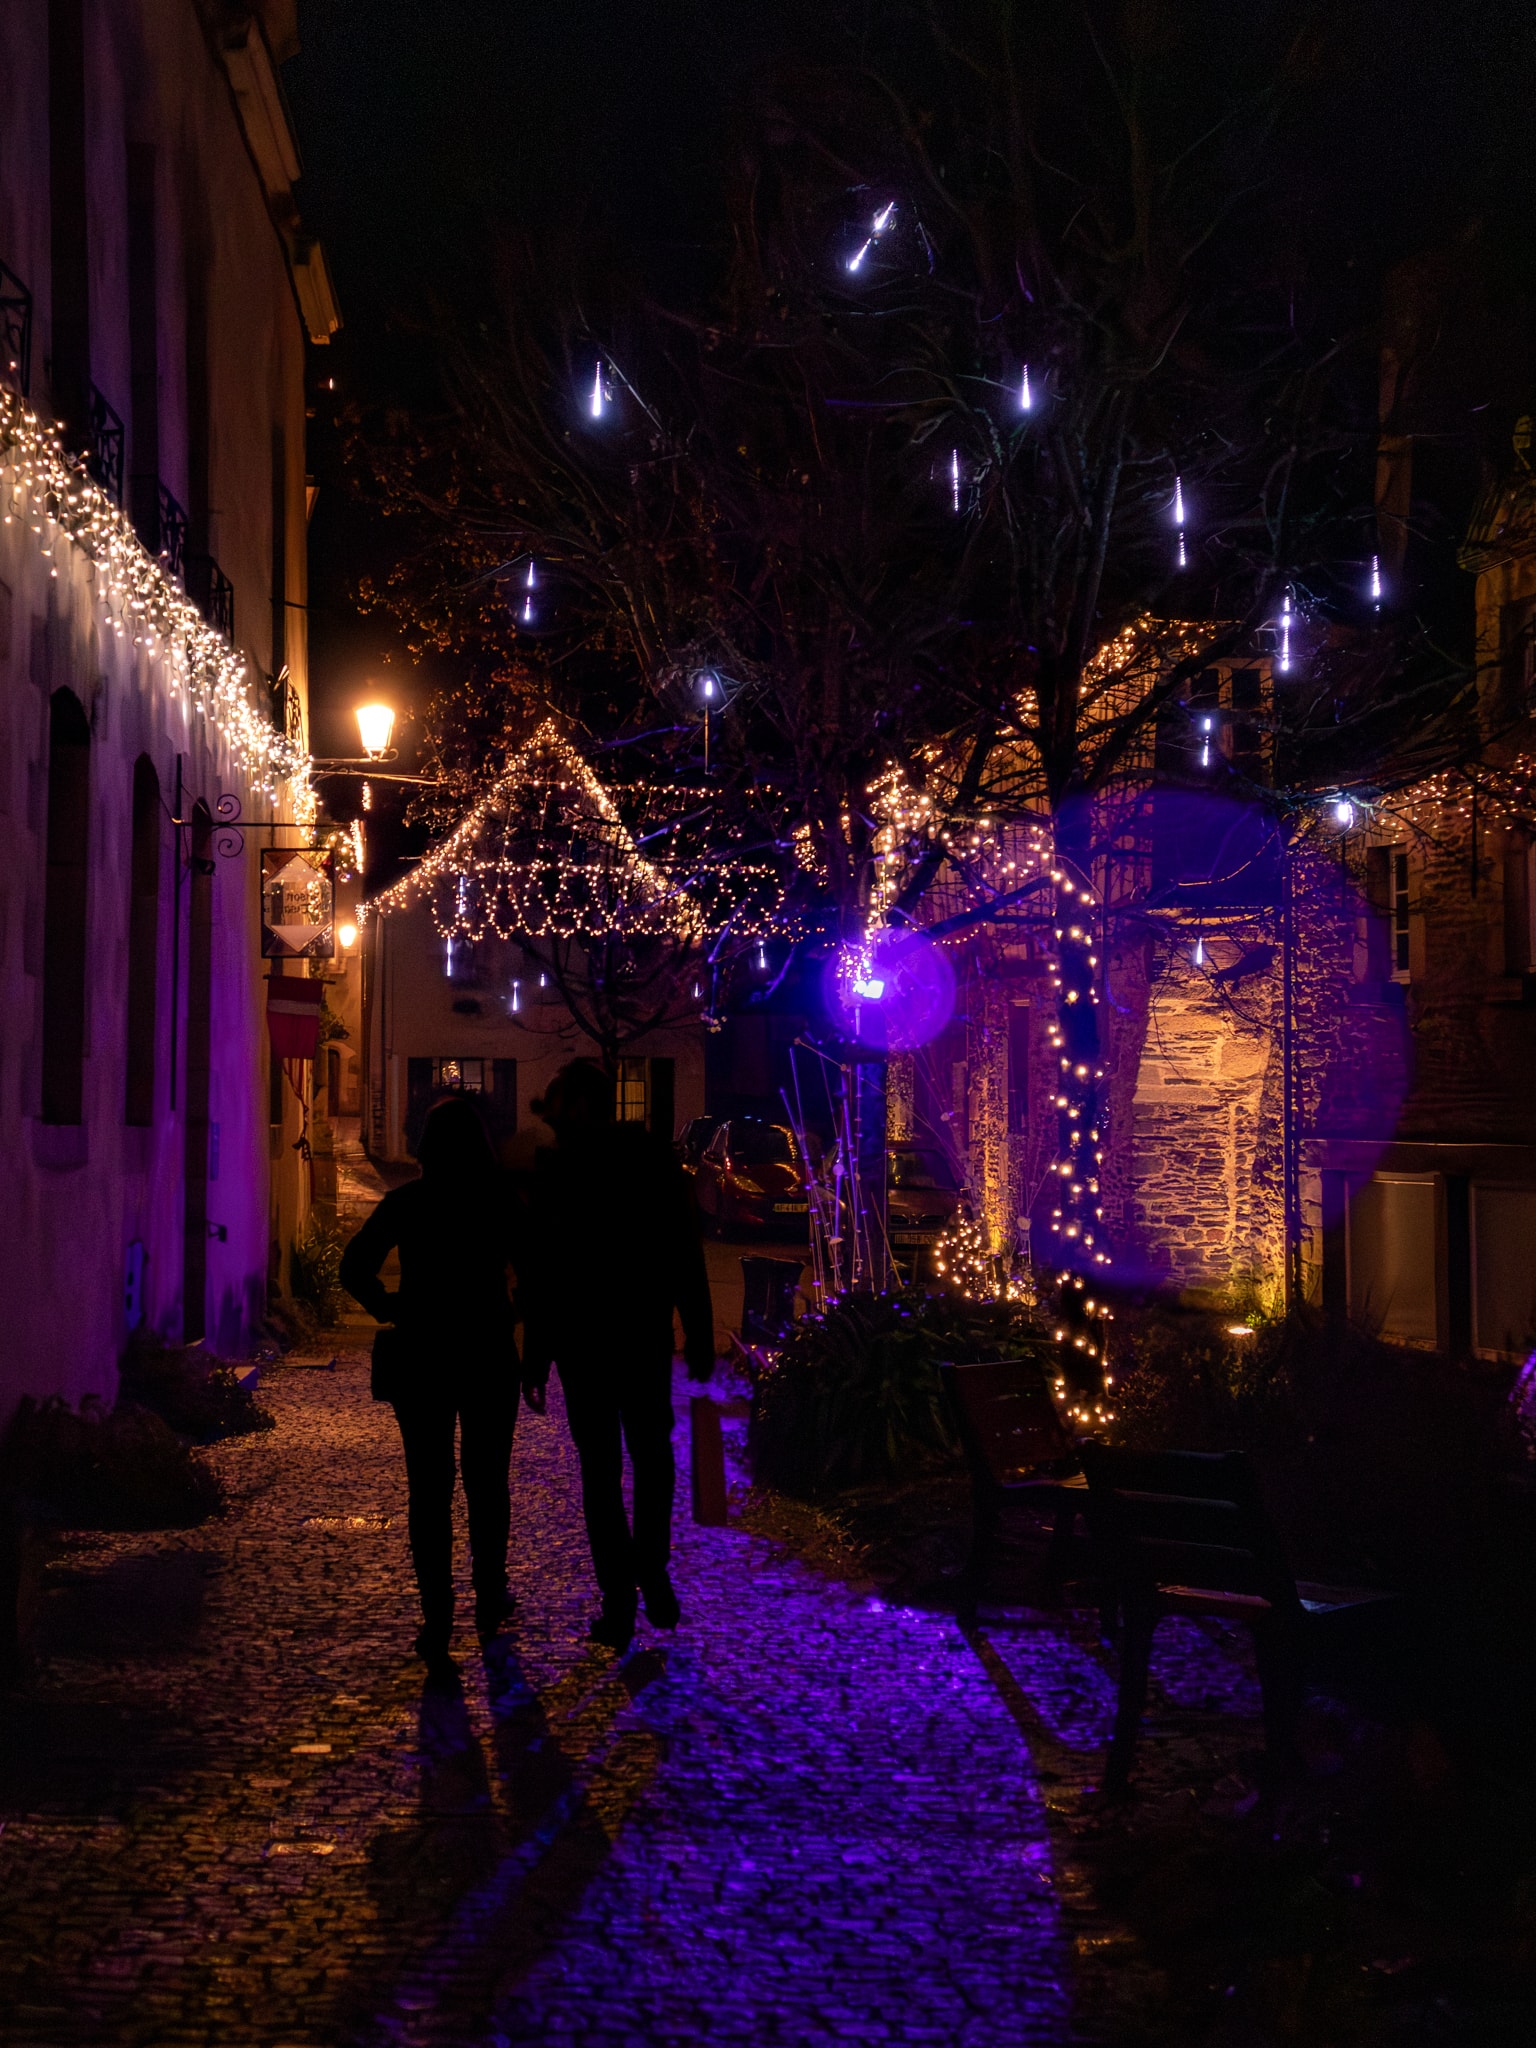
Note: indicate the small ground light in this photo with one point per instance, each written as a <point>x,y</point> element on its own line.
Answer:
<point>1239,1329</point>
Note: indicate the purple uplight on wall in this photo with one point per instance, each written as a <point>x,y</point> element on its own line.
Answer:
<point>892,992</point>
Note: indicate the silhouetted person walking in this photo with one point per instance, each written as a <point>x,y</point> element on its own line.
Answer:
<point>455,1358</point>
<point>612,1250</point>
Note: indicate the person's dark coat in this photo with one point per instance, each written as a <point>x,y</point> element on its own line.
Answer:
<point>455,1231</point>
<point>612,1249</point>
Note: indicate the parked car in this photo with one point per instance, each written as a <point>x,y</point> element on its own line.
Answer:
<point>922,1197</point>
<point>692,1139</point>
<point>750,1176</point>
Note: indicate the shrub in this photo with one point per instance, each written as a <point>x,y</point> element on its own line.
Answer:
<point>1376,1461</point>
<point>197,1395</point>
<point>316,1268</point>
<point>98,1468</point>
<point>855,1397</point>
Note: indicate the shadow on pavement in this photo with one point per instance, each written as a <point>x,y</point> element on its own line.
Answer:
<point>481,1886</point>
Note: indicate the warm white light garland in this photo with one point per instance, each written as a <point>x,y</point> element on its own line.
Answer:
<point>46,490</point>
<point>545,854</point>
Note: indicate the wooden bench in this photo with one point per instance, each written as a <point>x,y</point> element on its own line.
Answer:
<point>1018,1450</point>
<point>1186,1532</point>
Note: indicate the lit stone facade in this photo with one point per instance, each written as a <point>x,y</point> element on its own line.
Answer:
<point>153,306</point>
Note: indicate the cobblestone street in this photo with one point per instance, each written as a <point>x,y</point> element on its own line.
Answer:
<point>233,1815</point>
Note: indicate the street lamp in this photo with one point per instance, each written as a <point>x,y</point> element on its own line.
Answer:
<point>376,723</point>
<point>347,934</point>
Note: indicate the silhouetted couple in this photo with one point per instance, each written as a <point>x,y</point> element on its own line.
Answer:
<point>604,1243</point>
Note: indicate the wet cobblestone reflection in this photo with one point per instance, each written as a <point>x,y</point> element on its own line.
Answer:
<point>234,1816</point>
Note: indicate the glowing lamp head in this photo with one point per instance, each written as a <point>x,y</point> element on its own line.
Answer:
<point>1344,814</point>
<point>709,687</point>
<point>869,988</point>
<point>375,724</point>
<point>599,399</point>
<point>347,935</point>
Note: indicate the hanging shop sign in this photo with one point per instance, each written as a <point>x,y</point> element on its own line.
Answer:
<point>298,903</point>
<point>293,1016</point>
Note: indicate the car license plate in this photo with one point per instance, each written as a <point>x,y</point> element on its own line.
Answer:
<point>790,1208</point>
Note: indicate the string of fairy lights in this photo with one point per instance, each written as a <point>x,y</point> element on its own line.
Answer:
<point>545,854</point>
<point>48,492</point>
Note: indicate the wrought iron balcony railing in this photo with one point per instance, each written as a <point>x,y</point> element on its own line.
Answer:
<point>15,332</point>
<point>212,592</point>
<point>105,451</point>
<point>161,522</point>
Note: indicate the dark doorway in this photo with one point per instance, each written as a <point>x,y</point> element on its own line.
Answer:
<point>194,1275</point>
<point>663,1094</point>
<point>64,908</point>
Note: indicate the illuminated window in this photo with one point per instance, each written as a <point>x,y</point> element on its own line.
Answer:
<point>630,1105</point>
<point>467,1076</point>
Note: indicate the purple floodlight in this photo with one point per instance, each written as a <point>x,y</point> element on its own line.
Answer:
<point>892,992</point>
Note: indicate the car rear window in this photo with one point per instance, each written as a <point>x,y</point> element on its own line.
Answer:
<point>920,1170</point>
<point>761,1145</point>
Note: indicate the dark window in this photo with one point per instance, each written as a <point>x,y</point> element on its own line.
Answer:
<point>279,553</point>
<point>1520,907</point>
<point>1517,627</point>
<point>69,374</point>
<point>1246,728</point>
<point>143,942</point>
<point>1391,927</point>
<point>143,331</point>
<point>194,1294</point>
<point>64,908</point>
<point>1018,1067</point>
<point>1398,875</point>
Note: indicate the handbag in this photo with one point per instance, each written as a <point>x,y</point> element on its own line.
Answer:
<point>391,1363</point>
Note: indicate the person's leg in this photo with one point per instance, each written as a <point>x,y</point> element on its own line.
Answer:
<point>426,1433</point>
<point>647,1416</point>
<point>592,1409</point>
<point>487,1418</point>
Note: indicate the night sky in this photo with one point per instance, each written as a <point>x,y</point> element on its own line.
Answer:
<point>429,131</point>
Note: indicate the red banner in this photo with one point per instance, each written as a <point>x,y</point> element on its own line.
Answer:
<point>293,1015</point>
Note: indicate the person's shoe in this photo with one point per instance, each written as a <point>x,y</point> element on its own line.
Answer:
<point>661,1604</point>
<point>615,1625</point>
<point>432,1648</point>
<point>491,1610</point>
